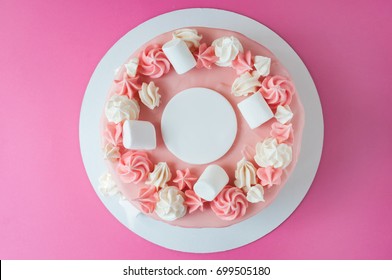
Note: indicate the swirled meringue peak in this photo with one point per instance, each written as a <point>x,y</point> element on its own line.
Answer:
<point>193,201</point>
<point>107,185</point>
<point>255,194</point>
<point>113,133</point>
<point>160,176</point>
<point>205,56</point>
<point>149,95</point>
<point>277,90</point>
<point>126,85</point>
<point>131,66</point>
<point>170,205</point>
<point>111,152</point>
<point>283,132</point>
<point>270,153</point>
<point>147,199</point>
<point>283,114</point>
<point>262,65</point>
<point>269,176</point>
<point>231,203</point>
<point>184,179</point>
<point>243,63</point>
<point>120,107</point>
<point>245,84</point>
<point>226,49</point>
<point>153,62</point>
<point>189,36</point>
<point>134,167</point>
<point>245,174</point>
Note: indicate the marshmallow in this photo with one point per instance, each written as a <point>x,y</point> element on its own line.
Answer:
<point>255,110</point>
<point>211,182</point>
<point>139,135</point>
<point>179,55</point>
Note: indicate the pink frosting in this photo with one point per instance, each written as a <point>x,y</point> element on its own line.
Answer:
<point>269,176</point>
<point>231,203</point>
<point>153,62</point>
<point>277,90</point>
<point>283,132</point>
<point>113,133</point>
<point>193,201</point>
<point>205,56</point>
<point>134,166</point>
<point>126,85</point>
<point>147,198</point>
<point>243,63</point>
<point>184,179</point>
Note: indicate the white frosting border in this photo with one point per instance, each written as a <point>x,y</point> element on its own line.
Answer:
<point>208,239</point>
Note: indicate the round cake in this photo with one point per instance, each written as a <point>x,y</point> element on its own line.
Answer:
<point>201,128</point>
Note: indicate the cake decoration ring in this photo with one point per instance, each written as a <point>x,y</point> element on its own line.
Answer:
<point>130,142</point>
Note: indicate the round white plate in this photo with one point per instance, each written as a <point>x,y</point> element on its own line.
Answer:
<point>207,239</point>
<point>198,125</point>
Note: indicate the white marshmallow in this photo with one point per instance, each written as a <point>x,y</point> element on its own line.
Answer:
<point>179,55</point>
<point>255,110</point>
<point>211,182</point>
<point>139,135</point>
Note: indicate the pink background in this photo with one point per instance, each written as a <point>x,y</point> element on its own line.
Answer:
<point>48,51</point>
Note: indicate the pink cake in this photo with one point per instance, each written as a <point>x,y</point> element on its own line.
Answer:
<point>259,161</point>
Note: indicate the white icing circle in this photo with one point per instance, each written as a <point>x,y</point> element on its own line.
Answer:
<point>198,125</point>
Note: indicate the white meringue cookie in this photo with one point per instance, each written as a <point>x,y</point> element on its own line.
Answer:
<point>107,185</point>
<point>160,176</point>
<point>262,65</point>
<point>283,114</point>
<point>171,205</point>
<point>111,152</point>
<point>245,174</point>
<point>245,84</point>
<point>120,107</point>
<point>131,66</point>
<point>226,49</point>
<point>270,153</point>
<point>189,36</point>
<point>149,95</point>
<point>255,194</point>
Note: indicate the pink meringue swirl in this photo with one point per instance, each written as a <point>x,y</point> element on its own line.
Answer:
<point>206,56</point>
<point>282,132</point>
<point>153,62</point>
<point>193,201</point>
<point>134,167</point>
<point>231,203</point>
<point>269,176</point>
<point>126,85</point>
<point>184,179</point>
<point>113,133</point>
<point>147,199</point>
<point>277,90</point>
<point>243,63</point>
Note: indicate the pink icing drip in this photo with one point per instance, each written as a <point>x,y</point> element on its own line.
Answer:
<point>243,63</point>
<point>277,90</point>
<point>184,179</point>
<point>126,85</point>
<point>283,132</point>
<point>113,133</point>
<point>134,166</point>
<point>147,198</point>
<point>153,62</point>
<point>205,56</point>
<point>269,176</point>
<point>230,203</point>
<point>193,201</point>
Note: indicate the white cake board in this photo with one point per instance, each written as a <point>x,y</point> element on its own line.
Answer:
<point>208,239</point>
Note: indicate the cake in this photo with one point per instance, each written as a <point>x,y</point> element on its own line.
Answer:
<point>201,128</point>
